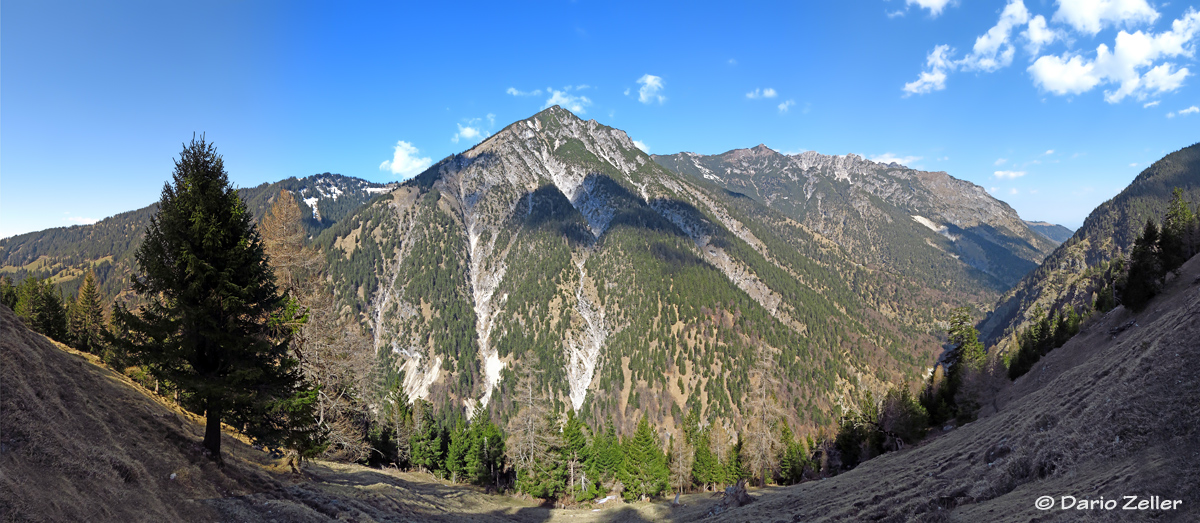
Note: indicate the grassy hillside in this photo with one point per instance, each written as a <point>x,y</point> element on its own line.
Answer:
<point>1105,415</point>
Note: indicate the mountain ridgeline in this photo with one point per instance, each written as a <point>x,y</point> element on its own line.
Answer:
<point>1082,268</point>
<point>65,254</point>
<point>558,251</point>
<point>887,215</point>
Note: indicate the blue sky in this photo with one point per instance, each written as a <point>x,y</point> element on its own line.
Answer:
<point>1053,105</point>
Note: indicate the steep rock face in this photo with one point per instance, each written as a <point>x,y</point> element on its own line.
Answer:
<point>854,201</point>
<point>556,248</point>
<point>1073,275</point>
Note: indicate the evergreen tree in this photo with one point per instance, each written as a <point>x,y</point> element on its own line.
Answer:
<point>1145,269</point>
<point>644,471</point>
<point>86,320</point>
<point>40,306</point>
<point>456,454</point>
<point>793,457</point>
<point>8,292</point>
<point>208,326</point>
<point>426,438</point>
<point>1175,242</point>
<point>485,458</point>
<point>575,454</point>
<point>706,468</point>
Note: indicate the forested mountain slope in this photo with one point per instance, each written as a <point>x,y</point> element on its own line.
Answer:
<point>884,214</point>
<point>1077,270</point>
<point>65,253</point>
<point>558,249</point>
<point>1103,417</point>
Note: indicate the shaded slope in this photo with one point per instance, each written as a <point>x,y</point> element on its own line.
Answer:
<point>1070,275</point>
<point>1055,232</point>
<point>1105,415</point>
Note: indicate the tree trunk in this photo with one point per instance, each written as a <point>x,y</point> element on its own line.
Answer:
<point>212,429</point>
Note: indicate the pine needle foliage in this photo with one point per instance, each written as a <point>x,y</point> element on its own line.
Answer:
<point>208,324</point>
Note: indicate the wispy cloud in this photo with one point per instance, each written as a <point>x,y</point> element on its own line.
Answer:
<point>652,87</point>
<point>573,102</point>
<point>642,145</point>
<point>761,93</point>
<point>1009,175</point>
<point>783,107</point>
<point>1148,105</point>
<point>935,7</point>
<point>1000,161</point>
<point>887,158</point>
<point>406,161</point>
<point>515,92</point>
<point>1190,110</point>
<point>466,133</point>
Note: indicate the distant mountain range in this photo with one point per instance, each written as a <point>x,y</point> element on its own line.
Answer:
<point>64,254</point>
<point>1056,233</point>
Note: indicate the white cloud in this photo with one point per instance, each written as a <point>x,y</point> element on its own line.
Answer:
<point>405,161</point>
<point>1062,75</point>
<point>886,158</point>
<point>783,107</point>
<point>491,118</point>
<point>1190,110</point>
<point>642,145</point>
<point>935,7</point>
<point>573,103</point>
<point>1148,105</point>
<point>1048,152</point>
<point>81,220</point>
<point>992,50</point>
<point>1090,16</point>
<point>1012,191</point>
<point>1009,174</point>
<point>993,189</point>
<point>513,91</point>
<point>1000,161</point>
<point>1122,64</point>
<point>762,93</point>
<point>894,14</point>
<point>934,78</point>
<point>1133,164</point>
<point>651,87</point>
<point>466,133</point>
<point>1037,35</point>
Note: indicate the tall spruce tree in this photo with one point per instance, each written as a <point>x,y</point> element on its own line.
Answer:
<point>208,324</point>
<point>86,319</point>
<point>1145,269</point>
<point>1175,242</point>
<point>644,471</point>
